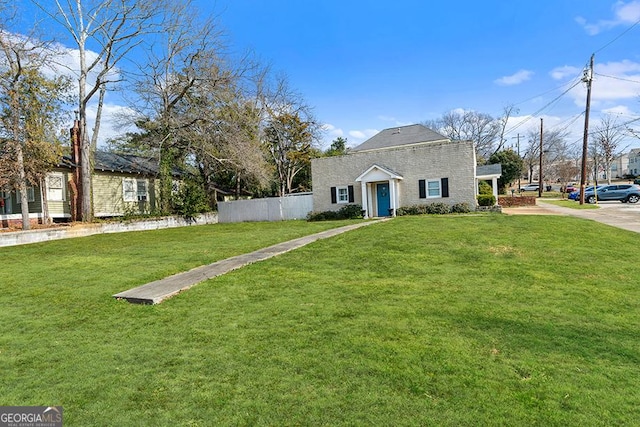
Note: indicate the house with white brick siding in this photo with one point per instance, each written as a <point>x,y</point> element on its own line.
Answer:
<point>398,167</point>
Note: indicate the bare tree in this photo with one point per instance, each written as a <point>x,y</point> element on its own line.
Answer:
<point>607,139</point>
<point>503,121</point>
<point>183,80</point>
<point>468,125</point>
<point>554,148</point>
<point>117,27</point>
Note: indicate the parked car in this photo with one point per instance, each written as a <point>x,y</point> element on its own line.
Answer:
<point>570,188</point>
<point>530,187</point>
<point>575,195</point>
<point>623,192</point>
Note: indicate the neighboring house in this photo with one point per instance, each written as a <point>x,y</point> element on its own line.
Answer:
<point>634,162</point>
<point>398,167</point>
<point>122,184</point>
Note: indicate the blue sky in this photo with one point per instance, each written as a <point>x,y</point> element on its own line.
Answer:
<point>369,65</point>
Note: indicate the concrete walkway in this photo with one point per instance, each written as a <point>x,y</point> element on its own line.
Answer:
<point>616,214</point>
<point>158,291</point>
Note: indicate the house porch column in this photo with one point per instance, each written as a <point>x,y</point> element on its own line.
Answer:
<point>365,199</point>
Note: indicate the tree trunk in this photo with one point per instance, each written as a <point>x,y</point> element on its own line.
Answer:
<point>22,186</point>
<point>46,217</point>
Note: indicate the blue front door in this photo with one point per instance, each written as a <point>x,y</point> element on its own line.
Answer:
<point>384,201</point>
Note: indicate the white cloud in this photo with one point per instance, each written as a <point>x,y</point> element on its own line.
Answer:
<point>66,61</point>
<point>333,131</point>
<point>116,120</point>
<point>395,121</point>
<point>363,134</point>
<point>515,79</point>
<point>620,110</point>
<point>613,82</point>
<point>625,13</point>
<point>565,71</point>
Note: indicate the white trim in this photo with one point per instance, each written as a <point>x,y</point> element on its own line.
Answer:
<point>426,188</point>
<point>346,194</point>
<point>61,196</point>
<point>389,174</point>
<point>376,174</point>
<point>129,195</point>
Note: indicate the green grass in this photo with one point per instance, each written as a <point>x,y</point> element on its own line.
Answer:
<point>452,320</point>
<point>573,204</point>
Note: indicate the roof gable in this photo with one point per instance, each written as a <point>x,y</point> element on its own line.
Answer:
<point>378,173</point>
<point>401,136</point>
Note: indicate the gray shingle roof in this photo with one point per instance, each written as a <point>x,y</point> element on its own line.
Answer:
<point>122,163</point>
<point>113,162</point>
<point>399,136</point>
<point>484,170</point>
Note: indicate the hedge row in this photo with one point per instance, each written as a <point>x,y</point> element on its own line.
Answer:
<point>433,208</point>
<point>345,212</point>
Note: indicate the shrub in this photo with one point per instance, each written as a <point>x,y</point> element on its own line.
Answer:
<point>484,188</point>
<point>438,208</point>
<point>190,201</point>
<point>345,212</point>
<point>486,199</point>
<point>460,208</point>
<point>350,212</point>
<point>412,210</point>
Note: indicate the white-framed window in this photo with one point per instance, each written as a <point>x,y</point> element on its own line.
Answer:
<point>343,194</point>
<point>433,188</point>
<point>129,190</point>
<point>175,187</point>
<point>141,188</point>
<point>31,195</point>
<point>135,190</point>
<point>55,187</point>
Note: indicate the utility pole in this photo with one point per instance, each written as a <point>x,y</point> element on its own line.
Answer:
<point>588,79</point>
<point>540,181</point>
<point>520,174</point>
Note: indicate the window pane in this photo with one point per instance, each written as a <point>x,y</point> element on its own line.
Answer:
<point>343,195</point>
<point>433,188</point>
<point>142,190</point>
<point>129,190</point>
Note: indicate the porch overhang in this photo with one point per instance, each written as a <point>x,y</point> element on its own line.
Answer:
<point>377,174</point>
<point>489,173</point>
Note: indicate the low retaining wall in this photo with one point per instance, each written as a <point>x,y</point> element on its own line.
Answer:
<point>81,230</point>
<point>510,201</point>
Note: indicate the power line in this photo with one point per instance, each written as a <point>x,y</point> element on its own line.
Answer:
<point>618,37</point>
<point>543,108</point>
<point>617,78</point>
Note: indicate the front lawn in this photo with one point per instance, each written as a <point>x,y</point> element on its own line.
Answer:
<point>429,320</point>
<point>573,204</point>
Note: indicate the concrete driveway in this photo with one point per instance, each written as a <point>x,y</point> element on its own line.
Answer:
<point>617,214</point>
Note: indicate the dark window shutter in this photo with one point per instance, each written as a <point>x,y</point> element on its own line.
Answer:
<point>351,198</point>
<point>444,184</point>
<point>334,196</point>
<point>423,190</point>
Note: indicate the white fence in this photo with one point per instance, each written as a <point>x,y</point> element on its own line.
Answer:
<point>294,206</point>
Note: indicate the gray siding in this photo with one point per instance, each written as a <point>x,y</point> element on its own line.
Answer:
<point>453,160</point>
